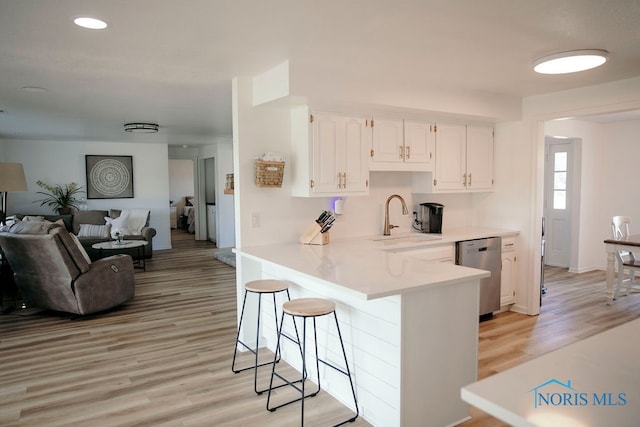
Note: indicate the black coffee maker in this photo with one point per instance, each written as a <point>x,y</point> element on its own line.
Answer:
<point>431,218</point>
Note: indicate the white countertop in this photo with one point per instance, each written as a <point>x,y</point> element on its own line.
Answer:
<point>594,382</point>
<point>368,268</point>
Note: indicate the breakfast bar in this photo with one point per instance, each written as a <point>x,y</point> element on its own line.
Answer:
<point>410,326</point>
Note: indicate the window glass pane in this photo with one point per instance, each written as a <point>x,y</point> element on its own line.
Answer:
<point>560,181</point>
<point>560,161</point>
<point>559,200</point>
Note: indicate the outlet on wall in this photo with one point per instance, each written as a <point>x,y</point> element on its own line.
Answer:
<point>255,220</point>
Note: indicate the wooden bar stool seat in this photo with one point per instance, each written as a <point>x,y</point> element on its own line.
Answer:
<point>305,308</point>
<point>259,287</point>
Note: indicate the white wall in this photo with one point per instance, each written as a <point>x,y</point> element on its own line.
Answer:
<point>61,162</point>
<point>222,152</point>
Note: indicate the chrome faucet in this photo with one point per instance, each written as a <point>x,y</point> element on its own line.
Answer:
<point>405,211</point>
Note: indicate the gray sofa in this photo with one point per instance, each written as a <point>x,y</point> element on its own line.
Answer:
<point>53,271</point>
<point>73,221</point>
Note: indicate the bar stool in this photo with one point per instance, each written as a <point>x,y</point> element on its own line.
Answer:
<point>260,287</point>
<point>309,308</point>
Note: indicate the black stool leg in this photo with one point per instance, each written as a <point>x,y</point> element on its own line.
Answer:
<point>235,351</point>
<point>348,373</point>
<point>255,351</point>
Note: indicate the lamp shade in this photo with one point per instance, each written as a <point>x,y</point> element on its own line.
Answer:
<point>12,177</point>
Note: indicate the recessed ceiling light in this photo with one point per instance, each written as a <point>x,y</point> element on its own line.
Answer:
<point>90,23</point>
<point>141,127</point>
<point>570,62</point>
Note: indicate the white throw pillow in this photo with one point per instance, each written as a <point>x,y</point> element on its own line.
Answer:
<point>93,230</point>
<point>118,224</point>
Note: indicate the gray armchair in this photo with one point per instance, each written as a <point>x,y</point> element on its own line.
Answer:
<point>53,271</point>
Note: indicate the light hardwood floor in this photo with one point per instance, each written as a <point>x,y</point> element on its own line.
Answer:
<point>164,358</point>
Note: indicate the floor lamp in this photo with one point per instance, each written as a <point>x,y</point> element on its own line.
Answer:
<point>11,179</point>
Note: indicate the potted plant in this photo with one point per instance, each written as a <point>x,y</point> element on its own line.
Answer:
<point>62,198</point>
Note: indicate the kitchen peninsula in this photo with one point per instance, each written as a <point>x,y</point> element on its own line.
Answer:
<point>410,325</point>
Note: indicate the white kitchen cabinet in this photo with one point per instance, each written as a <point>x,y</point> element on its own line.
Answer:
<point>509,273</point>
<point>330,154</point>
<point>464,158</point>
<point>479,158</point>
<point>402,145</point>
<point>211,222</point>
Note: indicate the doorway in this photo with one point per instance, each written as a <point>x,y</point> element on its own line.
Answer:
<point>560,200</point>
<point>181,189</point>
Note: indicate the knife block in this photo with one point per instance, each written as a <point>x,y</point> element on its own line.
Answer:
<point>313,236</point>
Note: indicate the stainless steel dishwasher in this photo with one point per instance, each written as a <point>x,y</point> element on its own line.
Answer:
<point>484,254</point>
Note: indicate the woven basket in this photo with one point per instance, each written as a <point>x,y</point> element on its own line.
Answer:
<point>269,174</point>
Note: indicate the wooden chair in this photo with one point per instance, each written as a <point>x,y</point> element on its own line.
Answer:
<point>620,226</point>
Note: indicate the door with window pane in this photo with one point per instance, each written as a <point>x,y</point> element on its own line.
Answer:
<point>558,172</point>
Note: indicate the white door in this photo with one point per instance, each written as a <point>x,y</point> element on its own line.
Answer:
<point>558,198</point>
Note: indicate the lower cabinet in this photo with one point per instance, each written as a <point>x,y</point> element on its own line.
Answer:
<point>509,271</point>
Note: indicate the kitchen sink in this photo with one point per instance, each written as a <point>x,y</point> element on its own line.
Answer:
<point>400,239</point>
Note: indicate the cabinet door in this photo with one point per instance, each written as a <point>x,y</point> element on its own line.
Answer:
<point>387,145</point>
<point>340,154</point>
<point>509,274</point>
<point>450,165</point>
<point>353,157</point>
<point>419,140</point>
<point>327,143</point>
<point>479,157</point>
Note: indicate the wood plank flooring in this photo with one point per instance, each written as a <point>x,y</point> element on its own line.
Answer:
<point>164,358</point>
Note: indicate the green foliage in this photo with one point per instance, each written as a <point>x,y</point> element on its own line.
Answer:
<point>59,196</point>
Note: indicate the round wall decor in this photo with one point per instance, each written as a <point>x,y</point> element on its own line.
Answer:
<point>110,177</point>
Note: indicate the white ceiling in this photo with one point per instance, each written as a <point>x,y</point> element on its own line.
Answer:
<point>171,62</point>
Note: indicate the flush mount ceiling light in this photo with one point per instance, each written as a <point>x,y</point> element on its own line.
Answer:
<point>90,23</point>
<point>570,62</point>
<point>141,127</point>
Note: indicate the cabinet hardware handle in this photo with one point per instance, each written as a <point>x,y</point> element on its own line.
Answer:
<point>312,183</point>
<point>400,151</point>
<point>469,180</point>
<point>464,179</point>
<point>407,152</point>
<point>344,175</point>
<point>339,179</point>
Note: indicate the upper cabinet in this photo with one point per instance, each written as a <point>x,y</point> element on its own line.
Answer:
<point>479,158</point>
<point>464,160</point>
<point>401,145</point>
<point>330,154</point>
